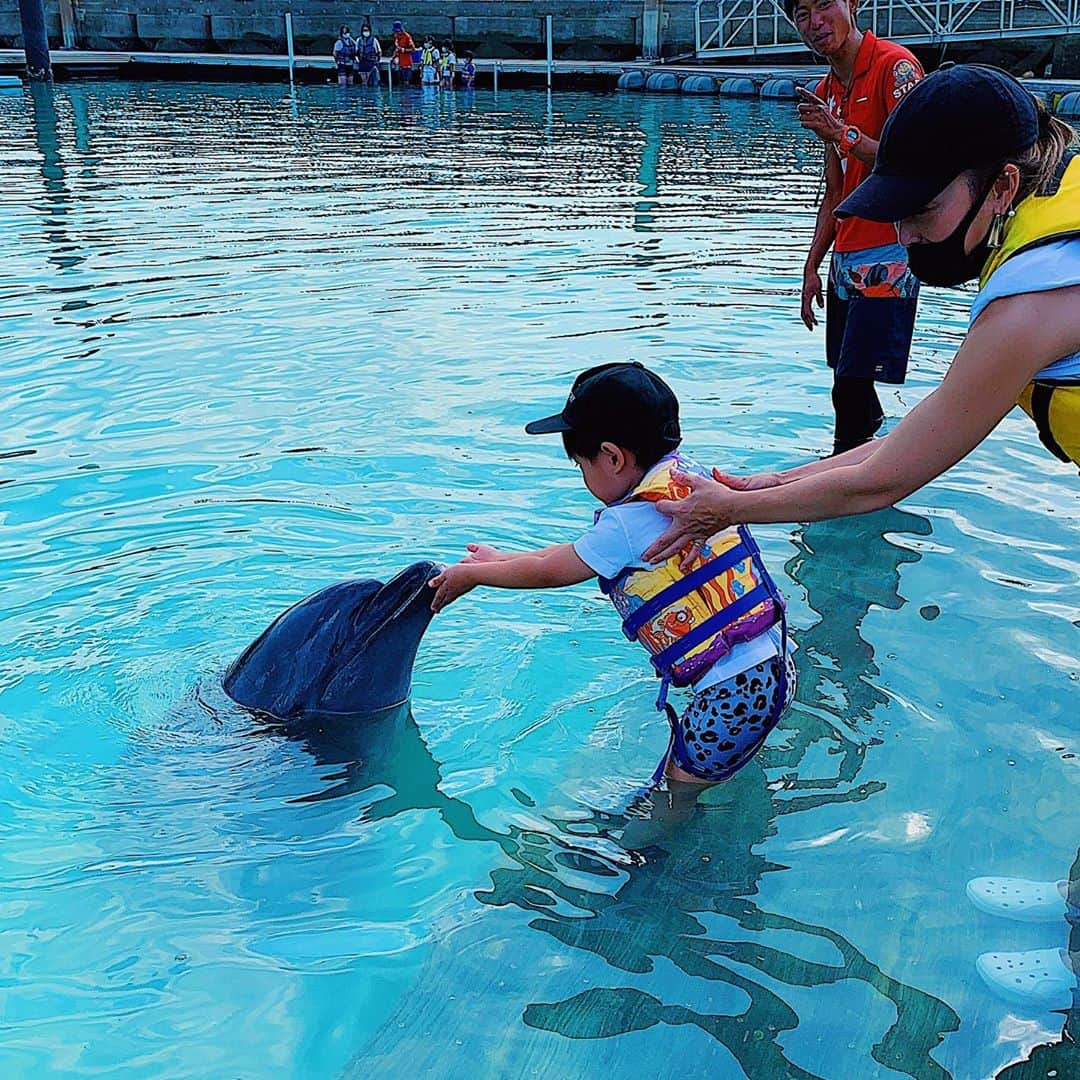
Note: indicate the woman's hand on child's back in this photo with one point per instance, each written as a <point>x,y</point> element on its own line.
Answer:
<point>710,507</point>
<point>453,582</point>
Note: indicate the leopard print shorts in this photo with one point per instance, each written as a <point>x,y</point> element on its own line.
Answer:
<point>724,725</point>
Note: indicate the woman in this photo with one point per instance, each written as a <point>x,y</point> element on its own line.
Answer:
<point>981,182</point>
<point>368,55</point>
<point>345,57</point>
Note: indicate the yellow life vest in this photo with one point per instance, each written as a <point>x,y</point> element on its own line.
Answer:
<point>1042,219</point>
<point>687,620</point>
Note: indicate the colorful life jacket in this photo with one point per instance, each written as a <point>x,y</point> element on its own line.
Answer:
<point>1042,219</point>
<point>687,620</point>
<point>429,57</point>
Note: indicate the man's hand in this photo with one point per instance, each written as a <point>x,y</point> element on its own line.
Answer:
<point>453,582</point>
<point>816,117</point>
<point>811,294</point>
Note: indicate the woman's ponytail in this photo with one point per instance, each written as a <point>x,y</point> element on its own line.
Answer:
<point>1040,167</point>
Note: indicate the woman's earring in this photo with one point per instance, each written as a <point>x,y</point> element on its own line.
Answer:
<point>997,230</point>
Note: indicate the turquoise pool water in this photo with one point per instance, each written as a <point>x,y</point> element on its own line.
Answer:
<point>253,344</point>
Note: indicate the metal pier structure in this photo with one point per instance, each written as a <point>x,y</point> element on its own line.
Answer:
<point>730,29</point>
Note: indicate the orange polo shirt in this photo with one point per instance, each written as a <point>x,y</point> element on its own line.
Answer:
<point>884,73</point>
<point>403,45</point>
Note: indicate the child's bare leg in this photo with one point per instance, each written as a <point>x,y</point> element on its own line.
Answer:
<point>673,772</point>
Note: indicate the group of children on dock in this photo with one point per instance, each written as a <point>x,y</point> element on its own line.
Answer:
<point>359,60</point>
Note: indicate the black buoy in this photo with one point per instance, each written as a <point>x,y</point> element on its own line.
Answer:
<point>35,40</point>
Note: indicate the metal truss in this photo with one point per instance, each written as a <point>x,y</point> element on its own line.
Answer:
<point>730,28</point>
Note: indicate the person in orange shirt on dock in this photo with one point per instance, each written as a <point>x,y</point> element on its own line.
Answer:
<point>872,294</point>
<point>403,52</point>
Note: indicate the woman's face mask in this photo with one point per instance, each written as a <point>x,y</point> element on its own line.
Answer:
<point>945,262</point>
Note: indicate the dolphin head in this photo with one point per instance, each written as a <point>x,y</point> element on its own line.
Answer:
<point>346,650</point>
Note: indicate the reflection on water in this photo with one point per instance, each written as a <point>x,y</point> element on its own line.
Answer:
<point>841,590</point>
<point>57,195</point>
<point>384,753</point>
<point>255,342</point>
<point>689,868</point>
<point>707,864</point>
<point>714,869</point>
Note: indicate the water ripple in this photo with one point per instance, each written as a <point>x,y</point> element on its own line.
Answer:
<point>254,343</point>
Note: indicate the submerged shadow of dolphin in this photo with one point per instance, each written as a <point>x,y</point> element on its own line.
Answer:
<point>334,673</point>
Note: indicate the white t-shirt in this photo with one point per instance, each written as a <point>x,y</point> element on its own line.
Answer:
<point>617,540</point>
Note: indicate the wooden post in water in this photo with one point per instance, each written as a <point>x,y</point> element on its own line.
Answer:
<point>550,47</point>
<point>35,40</point>
<point>289,45</point>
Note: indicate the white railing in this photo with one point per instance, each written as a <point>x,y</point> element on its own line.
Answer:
<point>729,28</point>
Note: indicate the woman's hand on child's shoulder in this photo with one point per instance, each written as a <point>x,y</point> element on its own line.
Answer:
<point>709,507</point>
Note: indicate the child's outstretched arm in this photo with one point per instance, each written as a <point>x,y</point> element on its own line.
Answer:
<point>551,568</point>
<point>486,553</point>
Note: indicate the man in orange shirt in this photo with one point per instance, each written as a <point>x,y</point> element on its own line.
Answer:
<point>403,52</point>
<point>872,295</point>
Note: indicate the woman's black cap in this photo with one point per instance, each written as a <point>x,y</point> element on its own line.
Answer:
<point>617,403</point>
<point>965,116</point>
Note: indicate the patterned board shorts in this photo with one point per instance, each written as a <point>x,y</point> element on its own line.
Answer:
<point>725,725</point>
<point>870,313</point>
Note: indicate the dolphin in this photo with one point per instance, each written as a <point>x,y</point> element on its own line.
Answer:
<point>345,651</point>
<point>333,673</point>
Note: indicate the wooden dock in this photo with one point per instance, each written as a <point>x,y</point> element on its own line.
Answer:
<point>269,66</point>
<point>134,64</point>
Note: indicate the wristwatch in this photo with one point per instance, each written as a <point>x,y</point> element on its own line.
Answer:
<point>850,138</point>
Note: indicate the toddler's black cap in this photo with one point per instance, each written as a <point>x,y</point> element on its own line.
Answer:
<point>616,402</point>
<point>966,116</point>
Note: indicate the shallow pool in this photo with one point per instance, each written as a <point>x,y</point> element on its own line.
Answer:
<point>255,343</point>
